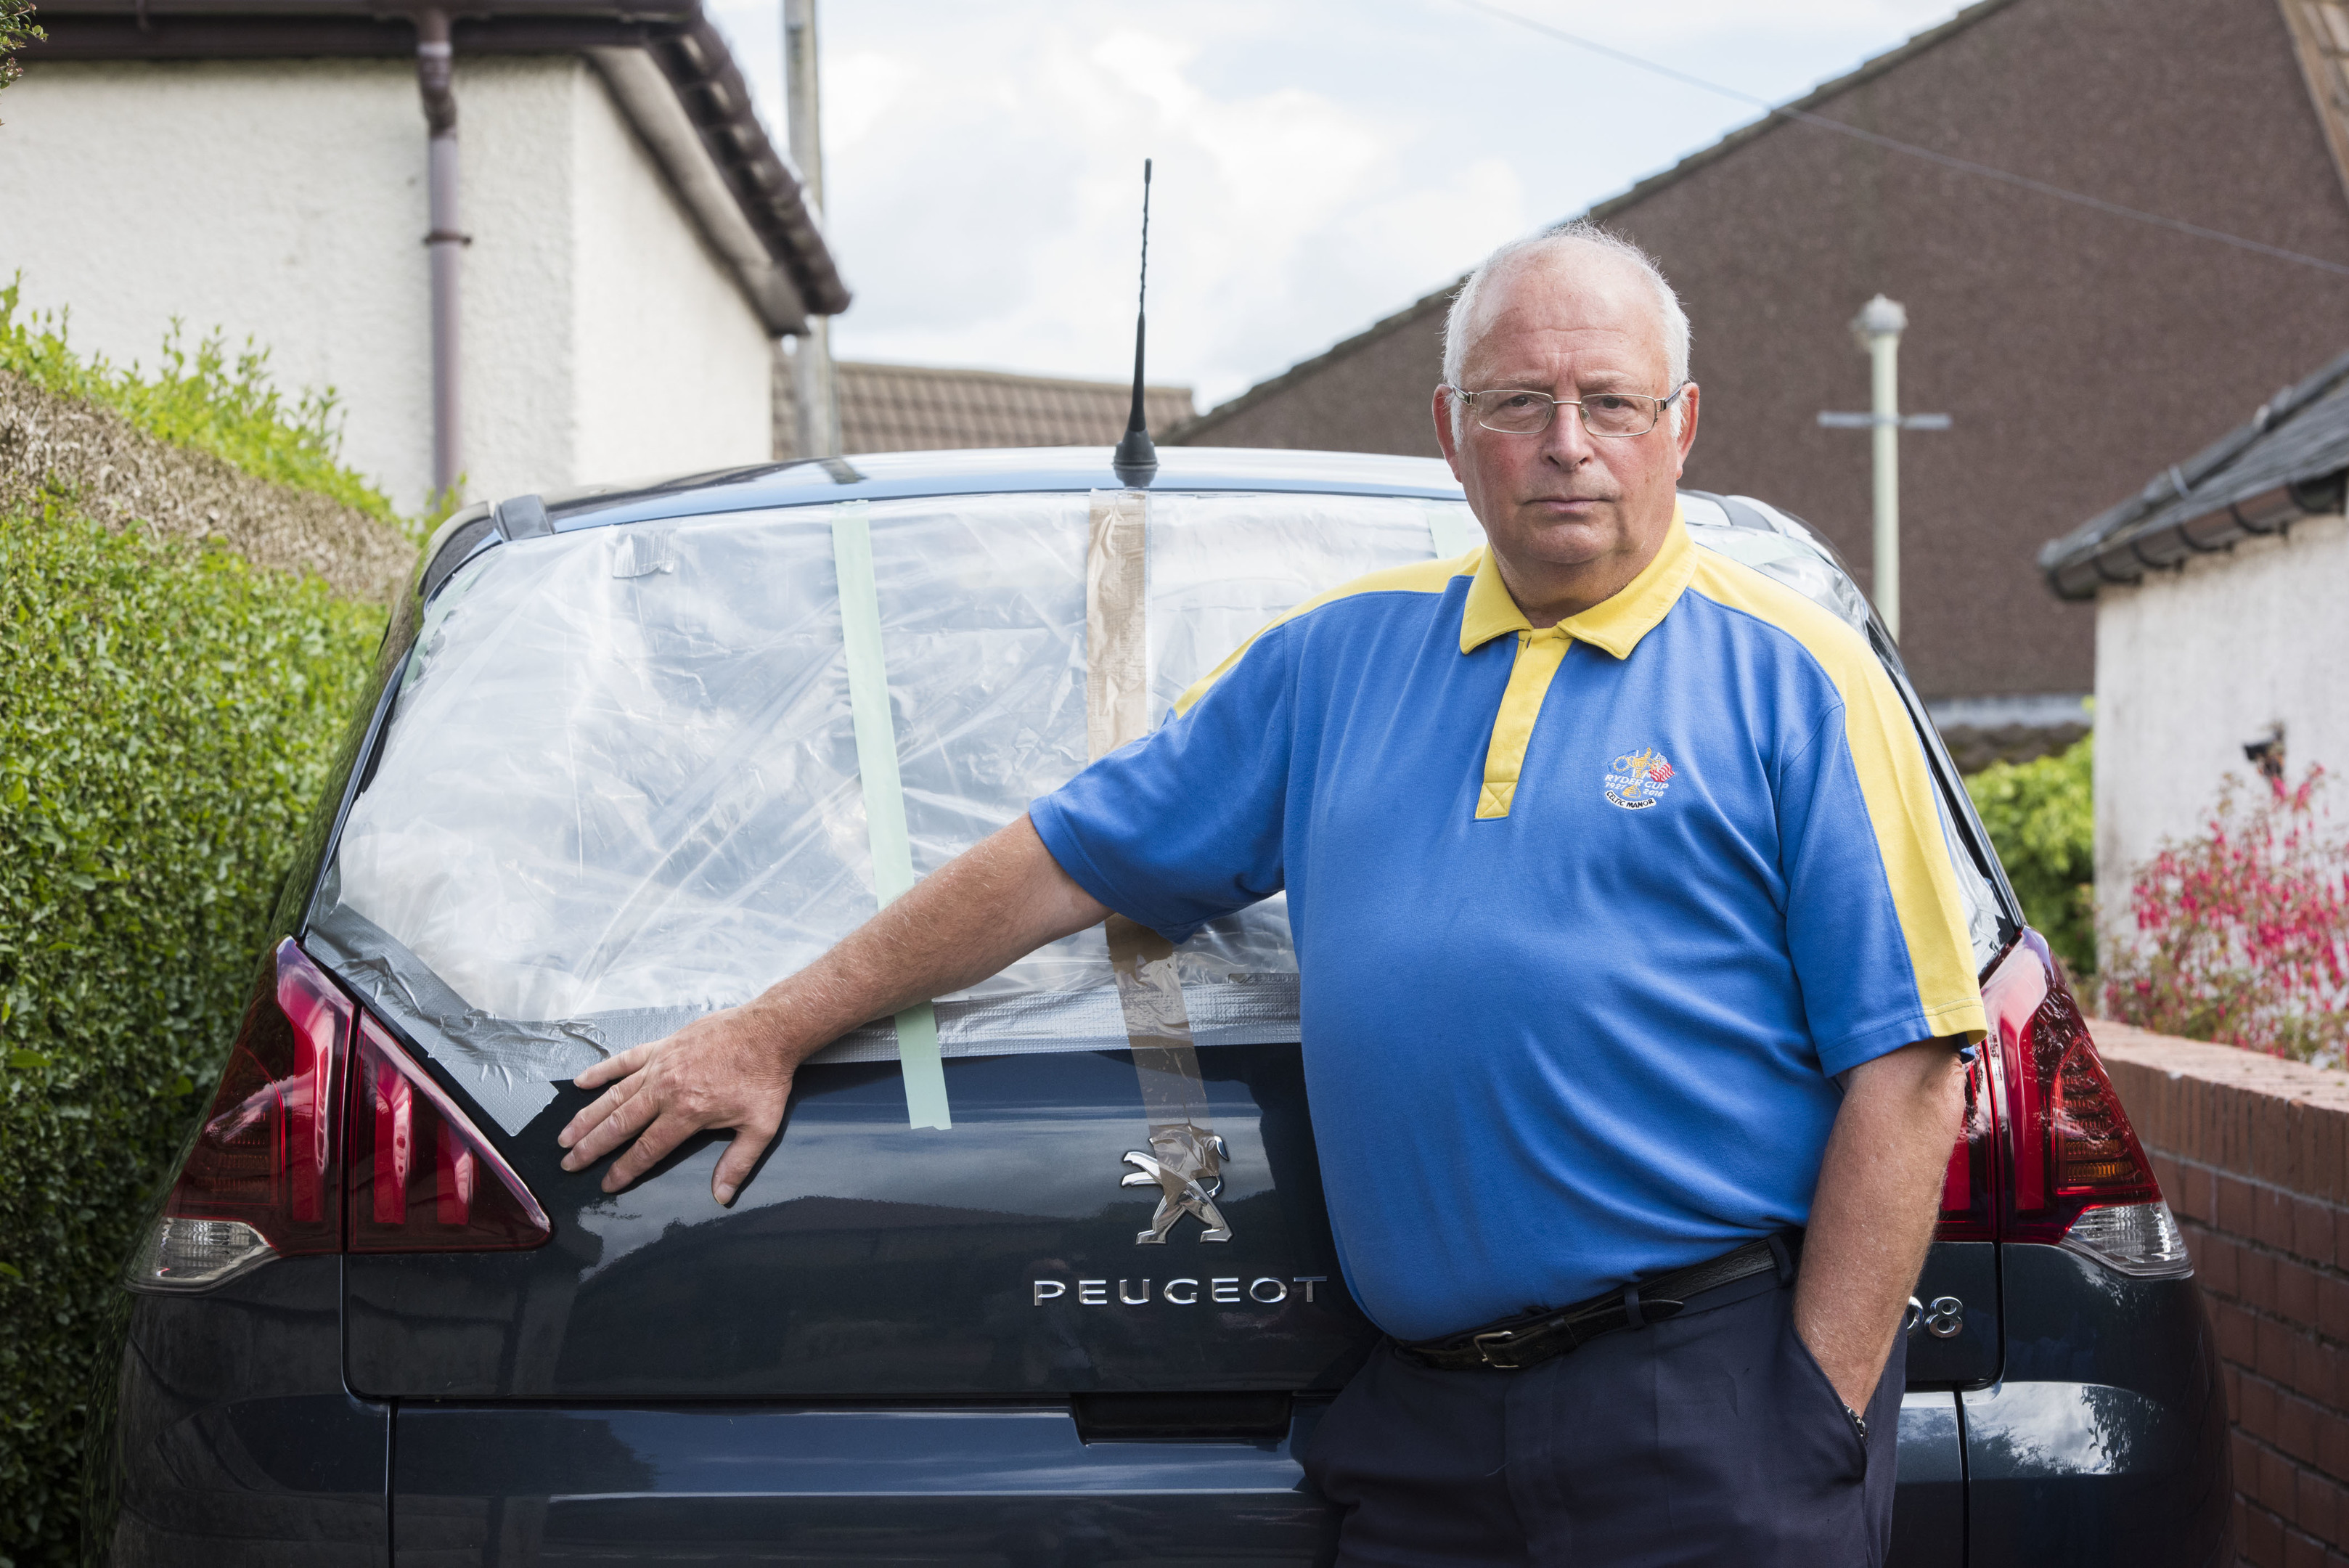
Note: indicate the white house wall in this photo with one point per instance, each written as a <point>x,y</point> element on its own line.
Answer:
<point>284,201</point>
<point>2192,665</point>
<point>675,371</point>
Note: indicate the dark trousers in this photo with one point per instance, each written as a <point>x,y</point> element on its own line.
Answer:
<point>1712,1438</point>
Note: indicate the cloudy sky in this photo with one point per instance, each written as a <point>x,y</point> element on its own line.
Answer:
<point>1319,162</point>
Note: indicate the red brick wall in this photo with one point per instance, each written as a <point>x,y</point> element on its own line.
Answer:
<point>2079,353</point>
<point>2253,1156</point>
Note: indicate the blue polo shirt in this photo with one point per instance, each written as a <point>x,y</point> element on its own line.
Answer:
<point>1587,918</point>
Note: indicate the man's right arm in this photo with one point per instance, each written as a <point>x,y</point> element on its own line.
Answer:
<point>986,909</point>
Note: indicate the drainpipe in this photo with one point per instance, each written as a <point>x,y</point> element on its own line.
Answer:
<point>445,241</point>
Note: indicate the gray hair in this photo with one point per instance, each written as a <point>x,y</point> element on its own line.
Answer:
<point>1573,232</point>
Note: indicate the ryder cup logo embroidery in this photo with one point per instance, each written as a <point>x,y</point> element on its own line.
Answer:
<point>1636,779</point>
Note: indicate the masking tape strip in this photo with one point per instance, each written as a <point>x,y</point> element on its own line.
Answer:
<point>885,794</point>
<point>1185,1158</point>
<point>1117,641</point>
<point>1451,529</point>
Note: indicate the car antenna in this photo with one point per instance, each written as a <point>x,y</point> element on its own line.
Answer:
<point>1136,459</point>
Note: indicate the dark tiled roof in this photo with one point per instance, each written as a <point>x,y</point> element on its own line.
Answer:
<point>2288,462</point>
<point>918,408</point>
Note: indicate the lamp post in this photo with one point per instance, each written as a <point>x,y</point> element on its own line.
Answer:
<point>1876,328</point>
<point>815,391</point>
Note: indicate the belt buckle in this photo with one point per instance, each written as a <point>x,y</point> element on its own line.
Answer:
<point>1496,1336</point>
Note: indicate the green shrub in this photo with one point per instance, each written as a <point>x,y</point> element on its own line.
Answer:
<point>2042,817</point>
<point>235,413</point>
<point>166,714</point>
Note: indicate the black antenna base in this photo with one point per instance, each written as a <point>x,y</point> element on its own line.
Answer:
<point>1136,460</point>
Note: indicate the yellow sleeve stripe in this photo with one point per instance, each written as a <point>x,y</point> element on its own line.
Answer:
<point>1894,783</point>
<point>1418,577</point>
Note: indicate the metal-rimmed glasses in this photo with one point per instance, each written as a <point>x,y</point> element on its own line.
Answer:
<point>1516,410</point>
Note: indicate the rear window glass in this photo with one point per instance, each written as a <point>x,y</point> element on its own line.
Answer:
<point>619,788</point>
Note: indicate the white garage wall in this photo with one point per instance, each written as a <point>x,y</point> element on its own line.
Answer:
<point>2192,665</point>
<point>285,201</point>
<point>675,368</point>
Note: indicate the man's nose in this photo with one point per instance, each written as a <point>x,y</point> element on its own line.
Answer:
<point>1566,443</point>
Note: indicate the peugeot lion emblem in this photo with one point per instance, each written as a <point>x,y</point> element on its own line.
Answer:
<point>1187,1167</point>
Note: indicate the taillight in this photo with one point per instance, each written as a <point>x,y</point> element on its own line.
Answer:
<point>268,1173</point>
<point>2073,1174</point>
<point>1968,1211</point>
<point>422,1178</point>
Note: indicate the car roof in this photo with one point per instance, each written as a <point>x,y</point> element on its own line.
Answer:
<point>887,476</point>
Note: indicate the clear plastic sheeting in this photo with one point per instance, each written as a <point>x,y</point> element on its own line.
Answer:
<point>619,788</point>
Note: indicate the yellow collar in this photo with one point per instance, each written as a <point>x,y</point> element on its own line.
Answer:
<point>1616,624</point>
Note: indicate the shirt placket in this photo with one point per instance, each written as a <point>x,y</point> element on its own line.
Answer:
<point>1539,654</point>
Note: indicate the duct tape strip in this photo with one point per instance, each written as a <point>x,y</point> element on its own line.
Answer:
<point>1185,1158</point>
<point>1117,637</point>
<point>1452,529</point>
<point>884,794</point>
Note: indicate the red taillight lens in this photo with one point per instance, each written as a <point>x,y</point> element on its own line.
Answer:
<point>266,1151</point>
<point>261,1180</point>
<point>265,1175</point>
<point>422,1178</point>
<point>1968,1211</point>
<point>2070,1148</point>
<point>2074,1174</point>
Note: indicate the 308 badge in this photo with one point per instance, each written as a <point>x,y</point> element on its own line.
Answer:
<point>1636,779</point>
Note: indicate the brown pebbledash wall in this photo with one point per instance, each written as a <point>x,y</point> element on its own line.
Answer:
<point>2079,353</point>
<point>2253,1156</point>
<point>117,474</point>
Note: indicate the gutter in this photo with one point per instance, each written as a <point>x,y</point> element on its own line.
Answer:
<point>2077,576</point>
<point>708,101</point>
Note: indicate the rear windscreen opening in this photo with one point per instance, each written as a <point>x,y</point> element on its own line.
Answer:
<point>618,788</point>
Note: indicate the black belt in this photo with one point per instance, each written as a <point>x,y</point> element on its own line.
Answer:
<point>1531,1338</point>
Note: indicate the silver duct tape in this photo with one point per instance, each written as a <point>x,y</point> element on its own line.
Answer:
<point>510,1066</point>
<point>1185,1157</point>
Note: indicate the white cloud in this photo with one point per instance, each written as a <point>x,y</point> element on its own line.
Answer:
<point>1320,163</point>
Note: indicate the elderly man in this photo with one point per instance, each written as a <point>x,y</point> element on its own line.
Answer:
<point>1635,980</point>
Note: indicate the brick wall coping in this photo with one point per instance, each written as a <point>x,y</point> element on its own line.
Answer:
<point>2278,1122</point>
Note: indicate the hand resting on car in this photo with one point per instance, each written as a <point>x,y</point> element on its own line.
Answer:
<point>994,904</point>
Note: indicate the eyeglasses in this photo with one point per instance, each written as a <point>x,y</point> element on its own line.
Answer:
<point>1512,411</point>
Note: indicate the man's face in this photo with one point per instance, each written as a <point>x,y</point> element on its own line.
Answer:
<point>1570,323</point>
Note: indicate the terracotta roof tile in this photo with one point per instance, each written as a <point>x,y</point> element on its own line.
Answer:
<point>919,408</point>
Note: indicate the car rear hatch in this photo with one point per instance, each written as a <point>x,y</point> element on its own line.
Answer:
<point>622,783</point>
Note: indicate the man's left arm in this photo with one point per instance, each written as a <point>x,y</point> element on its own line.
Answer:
<point>1872,1220</point>
<point>1878,930</point>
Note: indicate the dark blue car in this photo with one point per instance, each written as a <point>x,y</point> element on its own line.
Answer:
<point>634,753</point>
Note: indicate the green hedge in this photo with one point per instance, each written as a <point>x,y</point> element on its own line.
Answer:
<point>2041,817</point>
<point>207,402</point>
<point>166,714</point>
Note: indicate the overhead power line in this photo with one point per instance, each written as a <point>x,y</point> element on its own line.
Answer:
<point>1910,149</point>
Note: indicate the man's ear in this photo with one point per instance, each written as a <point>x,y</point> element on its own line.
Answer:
<point>1443,436</point>
<point>1687,437</point>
